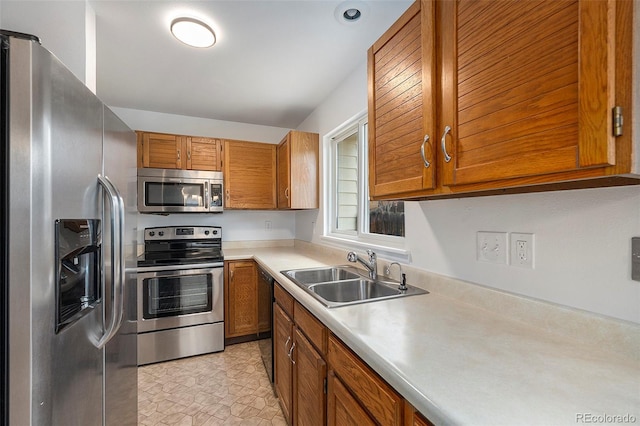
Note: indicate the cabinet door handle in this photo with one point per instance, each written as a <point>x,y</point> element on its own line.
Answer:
<point>189,155</point>
<point>231,275</point>
<point>286,193</point>
<point>426,162</point>
<point>178,155</point>
<point>447,157</point>
<point>291,352</point>
<point>227,194</point>
<point>287,343</point>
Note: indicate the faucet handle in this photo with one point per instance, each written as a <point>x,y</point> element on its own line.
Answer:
<point>372,255</point>
<point>352,256</point>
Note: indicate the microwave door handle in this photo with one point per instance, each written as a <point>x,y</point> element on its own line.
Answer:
<point>117,260</point>
<point>207,201</point>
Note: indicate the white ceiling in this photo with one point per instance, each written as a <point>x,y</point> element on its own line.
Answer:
<point>273,64</point>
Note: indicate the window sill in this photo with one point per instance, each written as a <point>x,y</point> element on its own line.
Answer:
<point>390,253</point>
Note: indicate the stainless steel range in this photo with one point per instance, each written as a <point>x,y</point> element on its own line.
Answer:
<point>180,293</point>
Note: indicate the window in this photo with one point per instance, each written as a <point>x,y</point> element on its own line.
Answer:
<point>350,214</point>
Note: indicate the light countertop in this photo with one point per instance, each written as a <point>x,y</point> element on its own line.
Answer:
<point>464,354</point>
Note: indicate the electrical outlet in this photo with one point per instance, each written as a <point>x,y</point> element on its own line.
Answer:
<point>267,225</point>
<point>491,247</point>
<point>522,250</point>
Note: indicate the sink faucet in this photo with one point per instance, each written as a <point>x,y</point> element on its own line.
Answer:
<point>403,277</point>
<point>371,265</point>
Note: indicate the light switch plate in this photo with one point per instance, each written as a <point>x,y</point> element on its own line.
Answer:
<point>492,247</point>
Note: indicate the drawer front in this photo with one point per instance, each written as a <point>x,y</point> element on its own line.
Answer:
<point>284,299</point>
<point>380,400</point>
<point>315,331</point>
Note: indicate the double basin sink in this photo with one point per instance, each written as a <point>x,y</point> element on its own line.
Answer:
<point>345,285</point>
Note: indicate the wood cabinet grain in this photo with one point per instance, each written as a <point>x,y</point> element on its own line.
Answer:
<point>401,79</point>
<point>300,365</point>
<point>298,171</point>
<point>508,105</point>
<point>249,175</point>
<point>342,408</point>
<point>373,394</point>
<point>168,151</point>
<point>309,375</point>
<point>283,367</point>
<point>204,153</point>
<point>241,296</point>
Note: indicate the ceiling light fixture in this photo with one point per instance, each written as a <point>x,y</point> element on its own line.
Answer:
<point>352,14</point>
<point>193,32</point>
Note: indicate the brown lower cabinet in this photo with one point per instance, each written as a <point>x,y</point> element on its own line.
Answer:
<point>300,367</point>
<point>319,380</point>
<point>342,407</point>
<point>241,298</point>
<point>384,405</point>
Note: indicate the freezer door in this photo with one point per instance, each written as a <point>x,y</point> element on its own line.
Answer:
<point>56,155</point>
<point>121,379</point>
<point>66,147</point>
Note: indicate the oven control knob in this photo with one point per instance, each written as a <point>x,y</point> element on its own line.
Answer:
<point>206,232</point>
<point>161,233</point>
<point>152,233</point>
<point>215,232</point>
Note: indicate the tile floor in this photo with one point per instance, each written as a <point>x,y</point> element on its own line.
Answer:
<point>224,388</point>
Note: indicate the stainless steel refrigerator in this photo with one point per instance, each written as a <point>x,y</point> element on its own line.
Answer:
<point>68,239</point>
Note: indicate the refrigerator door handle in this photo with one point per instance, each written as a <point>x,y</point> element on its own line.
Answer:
<point>117,253</point>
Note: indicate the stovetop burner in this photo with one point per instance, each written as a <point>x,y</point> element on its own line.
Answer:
<point>182,245</point>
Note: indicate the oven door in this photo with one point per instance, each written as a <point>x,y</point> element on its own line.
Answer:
<point>179,296</point>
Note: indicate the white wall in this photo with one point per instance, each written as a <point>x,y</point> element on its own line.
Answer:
<point>194,126</point>
<point>582,237</point>
<point>65,27</point>
<point>237,225</point>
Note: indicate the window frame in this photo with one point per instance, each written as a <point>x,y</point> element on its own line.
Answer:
<point>389,245</point>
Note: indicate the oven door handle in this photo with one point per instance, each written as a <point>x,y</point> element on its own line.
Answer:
<point>117,261</point>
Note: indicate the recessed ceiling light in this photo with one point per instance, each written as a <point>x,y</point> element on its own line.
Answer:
<point>351,11</point>
<point>351,14</point>
<point>193,32</point>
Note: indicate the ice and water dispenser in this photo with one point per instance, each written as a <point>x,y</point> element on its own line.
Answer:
<point>78,260</point>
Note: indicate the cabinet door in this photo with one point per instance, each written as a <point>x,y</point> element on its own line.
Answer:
<point>204,154</point>
<point>383,403</point>
<point>525,99</point>
<point>241,292</point>
<point>413,418</point>
<point>401,74</point>
<point>162,151</point>
<point>283,374</point>
<point>298,171</point>
<point>342,408</point>
<point>250,175</point>
<point>284,174</point>
<point>310,372</point>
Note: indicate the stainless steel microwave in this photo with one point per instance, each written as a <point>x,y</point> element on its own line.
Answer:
<point>179,191</point>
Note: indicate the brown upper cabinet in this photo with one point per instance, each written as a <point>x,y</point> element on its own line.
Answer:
<point>167,151</point>
<point>468,96</point>
<point>297,165</point>
<point>401,74</point>
<point>249,175</point>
